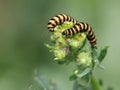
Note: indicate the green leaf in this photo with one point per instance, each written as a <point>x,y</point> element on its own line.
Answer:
<point>48,46</point>
<point>94,54</point>
<point>102,54</point>
<point>73,77</point>
<point>85,72</point>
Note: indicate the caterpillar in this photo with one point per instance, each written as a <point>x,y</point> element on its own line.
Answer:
<point>82,27</point>
<point>58,20</point>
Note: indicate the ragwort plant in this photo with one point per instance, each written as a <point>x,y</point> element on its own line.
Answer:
<point>73,49</point>
<point>69,49</point>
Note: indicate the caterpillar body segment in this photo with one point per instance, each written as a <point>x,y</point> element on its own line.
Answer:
<point>82,27</point>
<point>58,20</point>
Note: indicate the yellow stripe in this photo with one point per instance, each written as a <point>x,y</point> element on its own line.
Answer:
<point>93,40</point>
<point>51,29</point>
<point>92,36</point>
<point>65,16</point>
<point>50,25</point>
<point>74,32</point>
<point>61,18</point>
<point>85,25</point>
<point>71,20</point>
<point>78,28</point>
<point>67,32</point>
<point>91,33</point>
<point>81,26</point>
<point>70,31</point>
<point>88,29</point>
<point>75,21</point>
<point>68,18</point>
<point>52,21</point>
<point>56,18</point>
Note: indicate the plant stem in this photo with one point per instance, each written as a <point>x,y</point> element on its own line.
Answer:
<point>95,84</point>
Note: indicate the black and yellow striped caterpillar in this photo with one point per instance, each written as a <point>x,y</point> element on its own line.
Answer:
<point>78,27</point>
<point>82,27</point>
<point>58,20</point>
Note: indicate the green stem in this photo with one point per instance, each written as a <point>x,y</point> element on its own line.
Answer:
<point>95,84</point>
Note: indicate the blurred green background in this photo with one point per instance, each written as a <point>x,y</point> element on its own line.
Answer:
<point>23,32</point>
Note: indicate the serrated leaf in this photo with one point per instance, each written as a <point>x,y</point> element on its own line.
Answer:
<point>102,54</point>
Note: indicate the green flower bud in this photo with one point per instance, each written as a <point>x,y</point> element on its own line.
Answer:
<point>84,59</point>
<point>76,72</point>
<point>59,54</point>
<point>77,41</point>
<point>61,41</point>
<point>74,43</point>
<point>55,36</point>
<point>82,36</point>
